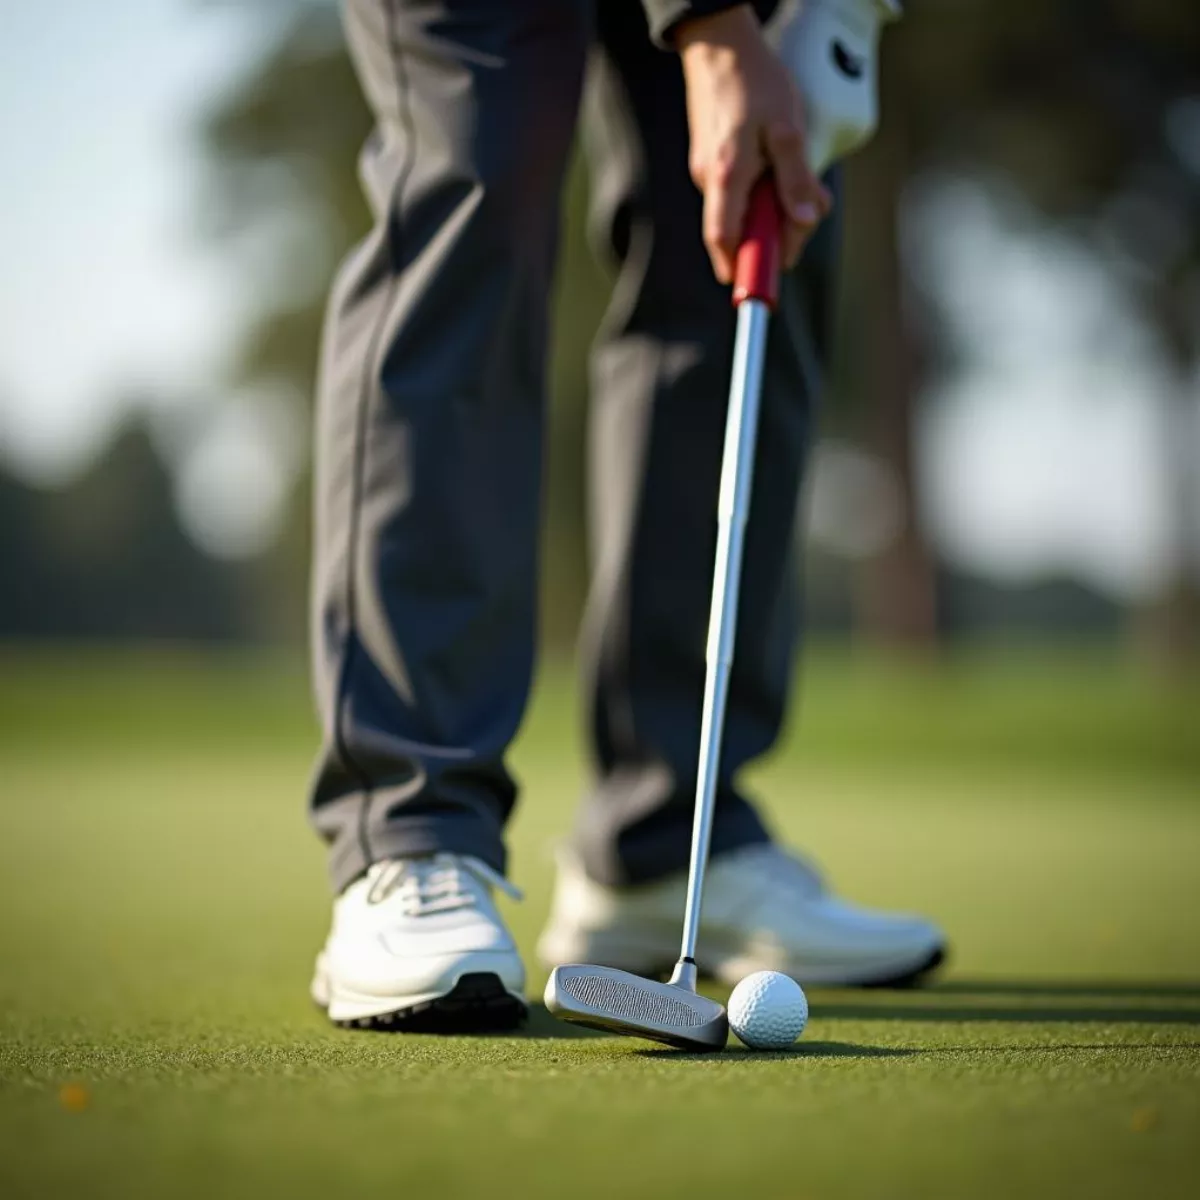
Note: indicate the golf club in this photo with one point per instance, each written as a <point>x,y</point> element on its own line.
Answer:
<point>831,47</point>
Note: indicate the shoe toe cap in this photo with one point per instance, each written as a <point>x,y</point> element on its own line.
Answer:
<point>855,931</point>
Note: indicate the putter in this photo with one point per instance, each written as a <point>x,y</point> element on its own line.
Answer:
<point>831,47</point>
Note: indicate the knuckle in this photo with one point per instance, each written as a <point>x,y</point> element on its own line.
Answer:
<point>723,159</point>
<point>784,138</point>
<point>724,173</point>
<point>731,150</point>
<point>716,244</point>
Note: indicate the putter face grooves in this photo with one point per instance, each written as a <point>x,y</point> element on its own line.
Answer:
<point>629,1003</point>
<point>618,1002</point>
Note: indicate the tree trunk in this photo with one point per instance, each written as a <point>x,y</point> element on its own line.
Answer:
<point>1168,629</point>
<point>895,592</point>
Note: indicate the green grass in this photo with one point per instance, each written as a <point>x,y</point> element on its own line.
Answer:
<point>162,899</point>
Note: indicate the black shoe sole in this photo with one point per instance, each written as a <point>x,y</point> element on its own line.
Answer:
<point>477,1004</point>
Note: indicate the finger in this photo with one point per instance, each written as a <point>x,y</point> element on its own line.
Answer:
<point>726,195</point>
<point>714,216</point>
<point>799,190</point>
<point>699,172</point>
<point>798,233</point>
<point>795,238</point>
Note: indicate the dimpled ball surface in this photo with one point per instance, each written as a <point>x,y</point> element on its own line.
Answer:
<point>768,1011</point>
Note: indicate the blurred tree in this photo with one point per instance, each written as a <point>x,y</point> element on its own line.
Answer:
<point>1091,109</point>
<point>1121,156</point>
<point>895,593</point>
<point>104,557</point>
<point>1079,104</point>
<point>283,192</point>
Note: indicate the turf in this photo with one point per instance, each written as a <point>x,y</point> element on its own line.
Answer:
<point>162,898</point>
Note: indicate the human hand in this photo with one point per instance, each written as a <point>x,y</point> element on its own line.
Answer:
<point>746,116</point>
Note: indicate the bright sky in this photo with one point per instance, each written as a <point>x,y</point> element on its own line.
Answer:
<point>102,286</point>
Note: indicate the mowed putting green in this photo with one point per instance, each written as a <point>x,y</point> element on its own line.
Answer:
<point>161,901</point>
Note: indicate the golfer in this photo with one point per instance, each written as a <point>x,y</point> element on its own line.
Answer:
<point>428,480</point>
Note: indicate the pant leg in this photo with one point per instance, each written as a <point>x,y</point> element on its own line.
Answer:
<point>661,377</point>
<point>430,423</point>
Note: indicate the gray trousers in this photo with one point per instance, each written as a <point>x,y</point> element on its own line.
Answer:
<point>429,446</point>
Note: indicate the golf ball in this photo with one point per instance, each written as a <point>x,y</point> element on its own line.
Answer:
<point>768,1011</point>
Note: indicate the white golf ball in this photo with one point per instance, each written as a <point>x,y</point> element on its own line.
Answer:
<point>768,1011</point>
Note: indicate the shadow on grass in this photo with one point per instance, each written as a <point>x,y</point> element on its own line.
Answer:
<point>737,1053</point>
<point>1102,988</point>
<point>1032,1002</point>
<point>541,1024</point>
<point>944,1002</point>
<point>1057,1048</point>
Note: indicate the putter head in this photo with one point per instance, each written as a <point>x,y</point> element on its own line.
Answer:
<point>618,1002</point>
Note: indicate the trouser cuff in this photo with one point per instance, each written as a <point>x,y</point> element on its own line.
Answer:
<point>408,837</point>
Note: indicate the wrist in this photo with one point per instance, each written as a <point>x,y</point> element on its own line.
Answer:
<point>731,28</point>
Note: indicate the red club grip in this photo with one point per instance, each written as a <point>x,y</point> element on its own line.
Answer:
<point>756,275</point>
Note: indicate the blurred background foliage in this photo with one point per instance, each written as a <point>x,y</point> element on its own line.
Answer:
<point>1071,127</point>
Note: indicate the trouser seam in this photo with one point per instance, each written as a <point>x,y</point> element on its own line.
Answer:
<point>619,709</point>
<point>359,456</point>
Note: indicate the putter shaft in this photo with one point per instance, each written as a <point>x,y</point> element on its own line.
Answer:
<point>733,508</point>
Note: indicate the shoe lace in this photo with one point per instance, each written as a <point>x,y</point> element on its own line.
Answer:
<point>441,883</point>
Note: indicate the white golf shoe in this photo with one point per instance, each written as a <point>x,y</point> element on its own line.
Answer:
<point>416,944</point>
<point>764,910</point>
